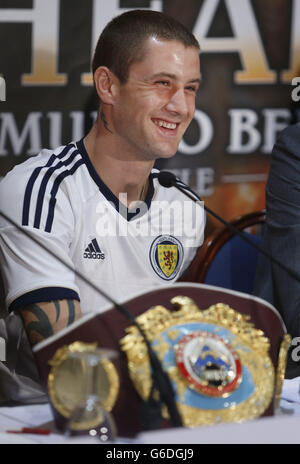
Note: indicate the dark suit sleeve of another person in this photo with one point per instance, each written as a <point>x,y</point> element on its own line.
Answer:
<point>282,230</point>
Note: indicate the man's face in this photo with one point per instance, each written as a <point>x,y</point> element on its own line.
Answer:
<point>157,103</point>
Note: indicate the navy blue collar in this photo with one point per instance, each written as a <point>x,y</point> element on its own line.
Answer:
<point>109,195</point>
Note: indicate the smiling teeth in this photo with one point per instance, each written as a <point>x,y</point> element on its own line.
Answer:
<point>167,125</point>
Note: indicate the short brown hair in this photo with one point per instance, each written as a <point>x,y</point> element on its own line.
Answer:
<point>121,42</point>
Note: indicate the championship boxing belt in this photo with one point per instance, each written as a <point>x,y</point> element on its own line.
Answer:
<point>224,351</point>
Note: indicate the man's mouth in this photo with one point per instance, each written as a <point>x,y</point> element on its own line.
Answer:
<point>165,124</point>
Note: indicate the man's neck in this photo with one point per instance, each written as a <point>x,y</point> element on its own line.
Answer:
<point>120,172</point>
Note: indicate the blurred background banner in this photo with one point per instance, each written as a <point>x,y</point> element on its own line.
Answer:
<point>250,62</point>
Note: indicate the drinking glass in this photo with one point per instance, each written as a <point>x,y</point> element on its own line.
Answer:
<point>89,416</point>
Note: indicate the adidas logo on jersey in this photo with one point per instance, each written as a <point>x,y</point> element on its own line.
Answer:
<point>93,251</point>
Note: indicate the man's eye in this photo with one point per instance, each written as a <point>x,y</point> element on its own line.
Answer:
<point>164,83</point>
<point>191,89</point>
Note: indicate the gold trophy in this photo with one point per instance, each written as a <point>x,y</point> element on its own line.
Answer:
<point>83,386</point>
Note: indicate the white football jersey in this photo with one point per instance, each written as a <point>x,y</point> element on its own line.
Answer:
<point>58,199</point>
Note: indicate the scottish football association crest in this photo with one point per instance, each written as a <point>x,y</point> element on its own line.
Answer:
<point>166,256</point>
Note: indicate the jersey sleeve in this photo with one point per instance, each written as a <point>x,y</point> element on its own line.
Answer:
<point>35,260</point>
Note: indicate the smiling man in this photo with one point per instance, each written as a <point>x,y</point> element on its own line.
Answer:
<point>97,203</point>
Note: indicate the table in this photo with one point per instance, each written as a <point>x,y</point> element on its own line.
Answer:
<point>282,428</point>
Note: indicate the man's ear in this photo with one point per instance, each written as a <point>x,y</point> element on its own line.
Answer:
<point>106,84</point>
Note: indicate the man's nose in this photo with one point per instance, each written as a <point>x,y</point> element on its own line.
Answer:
<point>178,102</point>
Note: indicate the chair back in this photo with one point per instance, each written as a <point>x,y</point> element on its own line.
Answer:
<point>225,259</point>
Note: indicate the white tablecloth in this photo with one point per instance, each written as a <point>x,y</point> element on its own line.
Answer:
<point>284,427</point>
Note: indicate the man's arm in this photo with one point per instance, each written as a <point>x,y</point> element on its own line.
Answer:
<point>41,320</point>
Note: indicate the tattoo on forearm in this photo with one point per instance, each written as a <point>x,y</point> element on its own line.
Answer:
<point>42,326</point>
<point>57,307</point>
<point>103,119</point>
<point>71,307</point>
<point>44,319</point>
